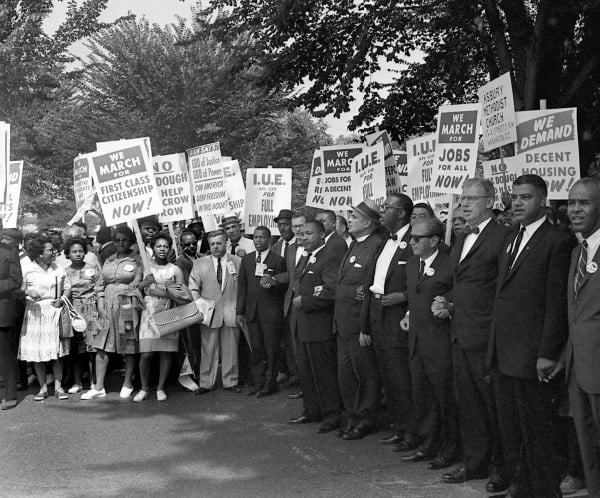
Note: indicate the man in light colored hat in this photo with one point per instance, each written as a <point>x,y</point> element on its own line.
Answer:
<point>237,244</point>
<point>357,367</point>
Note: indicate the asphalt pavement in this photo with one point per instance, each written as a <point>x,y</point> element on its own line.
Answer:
<point>219,444</point>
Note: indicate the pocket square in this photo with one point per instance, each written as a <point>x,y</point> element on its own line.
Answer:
<point>401,262</point>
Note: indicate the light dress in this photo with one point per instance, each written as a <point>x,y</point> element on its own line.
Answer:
<point>149,338</point>
<point>40,340</point>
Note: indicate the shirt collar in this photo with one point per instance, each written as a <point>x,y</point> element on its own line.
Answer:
<point>327,237</point>
<point>363,238</point>
<point>532,227</point>
<point>593,239</point>
<point>317,250</point>
<point>402,232</point>
<point>263,255</point>
<point>484,224</point>
<point>430,259</point>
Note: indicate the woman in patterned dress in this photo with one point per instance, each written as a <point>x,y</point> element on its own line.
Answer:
<point>84,286</point>
<point>40,339</point>
<point>121,273</point>
<point>156,297</point>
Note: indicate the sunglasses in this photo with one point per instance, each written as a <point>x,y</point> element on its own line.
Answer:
<point>417,238</point>
<point>150,229</point>
<point>190,244</point>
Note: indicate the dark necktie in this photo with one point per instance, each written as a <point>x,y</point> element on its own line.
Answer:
<point>233,247</point>
<point>581,265</point>
<point>219,272</point>
<point>285,248</point>
<point>422,269</point>
<point>469,229</point>
<point>258,260</point>
<point>515,247</point>
<point>393,236</point>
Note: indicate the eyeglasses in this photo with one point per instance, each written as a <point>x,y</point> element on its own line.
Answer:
<point>417,238</point>
<point>150,229</point>
<point>472,198</point>
<point>189,244</point>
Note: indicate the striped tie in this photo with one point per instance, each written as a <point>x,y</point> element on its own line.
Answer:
<point>581,265</point>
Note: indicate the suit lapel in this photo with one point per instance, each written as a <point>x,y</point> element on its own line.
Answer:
<point>457,251</point>
<point>531,243</point>
<point>480,240</point>
<point>401,254</point>
<point>588,275</point>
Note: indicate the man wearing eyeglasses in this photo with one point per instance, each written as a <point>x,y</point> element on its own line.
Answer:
<point>528,333</point>
<point>429,274</point>
<point>383,307</point>
<point>475,257</point>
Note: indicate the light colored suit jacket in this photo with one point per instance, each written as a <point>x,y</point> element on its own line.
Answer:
<point>203,283</point>
<point>583,346</point>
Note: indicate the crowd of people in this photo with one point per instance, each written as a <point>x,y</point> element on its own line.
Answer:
<point>478,353</point>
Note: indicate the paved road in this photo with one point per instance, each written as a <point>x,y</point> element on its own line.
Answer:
<point>219,444</point>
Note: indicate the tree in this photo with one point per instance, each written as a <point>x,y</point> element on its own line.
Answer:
<point>548,46</point>
<point>35,84</point>
<point>144,80</point>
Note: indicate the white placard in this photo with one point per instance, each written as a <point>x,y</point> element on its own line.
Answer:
<point>420,156</point>
<point>368,175</point>
<point>124,179</point>
<point>502,175</point>
<point>9,210</point>
<point>208,182</point>
<point>498,120</point>
<point>174,186</point>
<point>456,149</point>
<point>268,191</point>
<point>82,179</point>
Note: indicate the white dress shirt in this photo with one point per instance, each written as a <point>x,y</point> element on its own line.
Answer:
<point>383,262</point>
<point>472,238</point>
<point>529,231</point>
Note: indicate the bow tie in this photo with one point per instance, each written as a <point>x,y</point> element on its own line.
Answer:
<point>469,229</point>
<point>393,237</point>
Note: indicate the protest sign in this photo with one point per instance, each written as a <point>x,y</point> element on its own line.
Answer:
<point>234,184</point>
<point>125,182</point>
<point>547,146</point>
<point>208,181</point>
<point>268,190</point>
<point>4,159</point>
<point>86,205</point>
<point>420,156</point>
<point>498,121</point>
<point>384,138</point>
<point>329,186</point>
<point>111,145</point>
<point>174,187</point>
<point>502,174</point>
<point>396,175</point>
<point>9,210</point>
<point>82,180</point>
<point>368,175</point>
<point>456,149</point>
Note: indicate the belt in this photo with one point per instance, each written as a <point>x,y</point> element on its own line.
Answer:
<point>377,296</point>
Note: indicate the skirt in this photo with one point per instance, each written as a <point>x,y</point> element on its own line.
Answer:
<point>40,340</point>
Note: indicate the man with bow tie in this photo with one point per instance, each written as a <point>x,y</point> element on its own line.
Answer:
<point>383,307</point>
<point>529,330</point>
<point>475,258</point>
<point>429,274</point>
<point>583,347</point>
<point>314,330</point>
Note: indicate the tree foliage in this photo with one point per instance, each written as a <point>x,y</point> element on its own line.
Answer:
<point>335,46</point>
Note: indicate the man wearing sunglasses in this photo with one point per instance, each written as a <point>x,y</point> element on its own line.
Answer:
<point>429,274</point>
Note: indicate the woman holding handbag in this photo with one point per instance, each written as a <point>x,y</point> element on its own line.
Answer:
<point>40,339</point>
<point>117,333</point>
<point>158,297</point>
<point>84,286</point>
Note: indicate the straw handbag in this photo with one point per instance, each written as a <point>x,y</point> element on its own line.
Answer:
<point>199,311</point>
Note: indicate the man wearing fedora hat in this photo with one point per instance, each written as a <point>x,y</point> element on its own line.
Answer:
<point>235,240</point>
<point>284,224</point>
<point>357,367</point>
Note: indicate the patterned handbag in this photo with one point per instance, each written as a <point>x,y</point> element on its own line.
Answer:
<point>199,311</point>
<point>71,320</point>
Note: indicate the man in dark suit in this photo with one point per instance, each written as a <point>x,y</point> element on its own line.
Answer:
<point>528,332</point>
<point>293,263</point>
<point>429,274</point>
<point>384,305</point>
<point>357,367</point>
<point>314,328</point>
<point>475,258</point>
<point>583,346</point>
<point>264,320</point>
<point>333,242</point>
<point>10,281</point>
<point>284,225</point>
